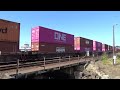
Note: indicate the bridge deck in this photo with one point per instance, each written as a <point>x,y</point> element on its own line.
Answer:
<point>31,69</point>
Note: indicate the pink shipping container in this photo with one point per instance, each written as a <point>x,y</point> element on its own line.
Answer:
<point>97,46</point>
<point>42,34</point>
<point>35,34</point>
<point>94,45</point>
<point>104,47</point>
<point>76,43</point>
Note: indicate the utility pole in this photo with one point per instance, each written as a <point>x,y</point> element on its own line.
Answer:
<point>114,56</point>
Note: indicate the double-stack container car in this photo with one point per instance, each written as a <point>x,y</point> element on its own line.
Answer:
<point>45,40</point>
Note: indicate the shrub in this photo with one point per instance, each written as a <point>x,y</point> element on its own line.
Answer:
<point>118,58</point>
<point>104,58</point>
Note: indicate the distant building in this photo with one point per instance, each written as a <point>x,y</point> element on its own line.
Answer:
<point>25,48</point>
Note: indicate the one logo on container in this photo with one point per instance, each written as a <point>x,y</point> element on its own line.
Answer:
<point>3,30</point>
<point>60,36</point>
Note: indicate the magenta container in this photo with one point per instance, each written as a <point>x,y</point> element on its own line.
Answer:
<point>97,46</point>
<point>94,45</point>
<point>77,43</point>
<point>42,34</point>
<point>35,34</point>
<point>103,47</point>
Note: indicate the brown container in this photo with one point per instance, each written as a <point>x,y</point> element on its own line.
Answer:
<point>109,48</point>
<point>51,47</point>
<point>106,47</point>
<point>84,44</point>
<point>9,46</point>
<point>9,31</point>
<point>35,46</point>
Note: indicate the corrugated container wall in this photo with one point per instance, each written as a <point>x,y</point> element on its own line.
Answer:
<point>48,40</point>
<point>42,34</point>
<point>82,44</point>
<point>51,47</point>
<point>9,46</point>
<point>9,31</point>
<point>9,36</point>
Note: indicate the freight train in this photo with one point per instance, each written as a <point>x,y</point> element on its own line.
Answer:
<point>45,42</point>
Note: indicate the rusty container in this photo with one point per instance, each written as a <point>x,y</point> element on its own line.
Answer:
<point>9,31</point>
<point>6,47</point>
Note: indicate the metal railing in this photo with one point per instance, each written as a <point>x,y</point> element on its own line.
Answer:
<point>39,63</point>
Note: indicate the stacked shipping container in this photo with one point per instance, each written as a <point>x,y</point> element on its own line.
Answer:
<point>82,44</point>
<point>118,48</point>
<point>104,47</point>
<point>50,41</point>
<point>110,48</point>
<point>97,46</point>
<point>9,36</point>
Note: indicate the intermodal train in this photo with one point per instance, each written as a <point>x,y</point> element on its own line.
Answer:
<point>45,42</point>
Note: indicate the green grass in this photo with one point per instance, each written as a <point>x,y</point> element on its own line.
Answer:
<point>118,59</point>
<point>109,61</point>
<point>105,58</point>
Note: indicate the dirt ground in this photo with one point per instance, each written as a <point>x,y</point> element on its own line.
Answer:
<point>112,70</point>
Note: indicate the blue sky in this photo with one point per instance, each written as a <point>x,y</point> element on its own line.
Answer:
<point>95,25</point>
